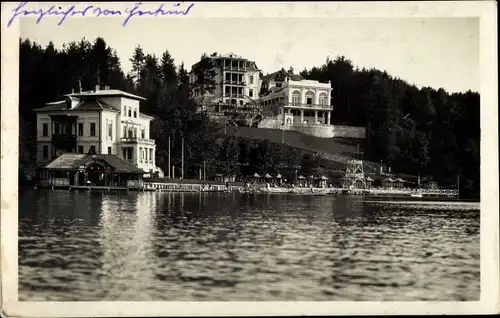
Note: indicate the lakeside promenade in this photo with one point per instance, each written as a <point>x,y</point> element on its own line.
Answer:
<point>202,186</point>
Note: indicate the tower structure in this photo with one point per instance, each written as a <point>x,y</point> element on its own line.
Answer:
<point>354,176</point>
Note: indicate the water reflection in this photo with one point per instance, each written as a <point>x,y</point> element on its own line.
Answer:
<point>217,246</point>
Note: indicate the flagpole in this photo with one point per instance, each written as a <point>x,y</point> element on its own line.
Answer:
<point>169,166</point>
<point>182,163</point>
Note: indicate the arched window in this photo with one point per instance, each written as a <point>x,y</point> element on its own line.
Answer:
<point>296,98</point>
<point>323,99</point>
<point>310,98</point>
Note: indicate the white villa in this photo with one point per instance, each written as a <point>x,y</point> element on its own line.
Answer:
<point>293,103</point>
<point>101,122</point>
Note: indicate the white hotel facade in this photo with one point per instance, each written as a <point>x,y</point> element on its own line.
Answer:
<point>103,121</point>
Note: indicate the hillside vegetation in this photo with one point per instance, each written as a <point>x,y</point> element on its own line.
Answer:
<point>337,150</point>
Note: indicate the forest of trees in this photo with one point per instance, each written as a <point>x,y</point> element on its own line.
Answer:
<point>413,130</point>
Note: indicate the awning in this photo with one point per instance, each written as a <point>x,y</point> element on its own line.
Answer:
<point>278,176</point>
<point>301,177</point>
<point>267,176</point>
<point>256,175</point>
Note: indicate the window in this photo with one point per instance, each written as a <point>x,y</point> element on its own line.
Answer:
<point>251,79</point>
<point>143,134</point>
<point>109,150</point>
<point>228,76</point>
<point>80,129</point>
<point>92,129</point>
<point>250,93</point>
<point>241,103</point>
<point>45,130</point>
<point>323,99</point>
<point>92,150</point>
<point>296,97</point>
<point>150,154</point>
<point>278,84</point>
<point>80,149</point>
<point>130,112</point>
<point>129,133</point>
<point>56,128</point>
<point>110,131</point>
<point>45,154</point>
<point>135,113</point>
<point>124,153</point>
<point>309,98</point>
<point>124,132</point>
<point>141,153</point>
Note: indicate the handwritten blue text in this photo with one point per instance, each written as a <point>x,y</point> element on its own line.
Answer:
<point>65,12</point>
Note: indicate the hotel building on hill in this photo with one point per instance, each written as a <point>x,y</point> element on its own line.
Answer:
<point>237,85</point>
<point>102,122</point>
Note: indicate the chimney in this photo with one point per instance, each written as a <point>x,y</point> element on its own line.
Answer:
<point>97,86</point>
<point>68,102</point>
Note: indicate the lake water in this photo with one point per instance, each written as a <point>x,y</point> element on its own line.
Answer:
<point>216,246</point>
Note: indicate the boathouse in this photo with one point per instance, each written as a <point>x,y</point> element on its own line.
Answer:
<point>72,169</point>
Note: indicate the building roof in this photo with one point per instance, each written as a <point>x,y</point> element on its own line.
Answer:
<point>106,93</point>
<point>86,104</point>
<point>72,161</point>
<point>293,77</point>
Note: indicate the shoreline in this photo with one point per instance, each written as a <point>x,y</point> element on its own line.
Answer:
<point>203,188</point>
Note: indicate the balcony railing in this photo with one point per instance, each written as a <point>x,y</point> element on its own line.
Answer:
<point>58,138</point>
<point>234,95</point>
<point>234,68</point>
<point>300,105</point>
<point>138,140</point>
<point>238,83</point>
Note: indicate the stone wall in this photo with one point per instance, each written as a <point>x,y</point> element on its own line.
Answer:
<point>349,132</point>
<point>316,130</point>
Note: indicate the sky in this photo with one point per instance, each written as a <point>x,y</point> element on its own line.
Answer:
<point>435,52</point>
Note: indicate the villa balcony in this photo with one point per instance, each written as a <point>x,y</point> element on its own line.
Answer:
<point>308,106</point>
<point>234,68</point>
<point>234,83</point>
<point>64,141</point>
<point>135,140</point>
<point>234,95</point>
